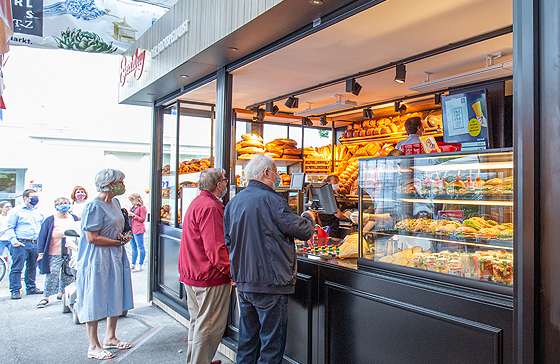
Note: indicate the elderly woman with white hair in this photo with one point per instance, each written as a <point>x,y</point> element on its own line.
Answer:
<point>103,274</point>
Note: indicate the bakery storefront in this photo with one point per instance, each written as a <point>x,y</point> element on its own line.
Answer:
<point>447,253</point>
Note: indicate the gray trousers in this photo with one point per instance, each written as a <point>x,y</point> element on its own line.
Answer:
<point>208,308</point>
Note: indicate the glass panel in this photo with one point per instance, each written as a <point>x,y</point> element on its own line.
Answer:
<point>195,151</point>
<point>169,163</point>
<point>8,182</point>
<point>446,213</point>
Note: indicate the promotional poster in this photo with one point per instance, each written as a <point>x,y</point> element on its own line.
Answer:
<point>465,120</point>
<point>99,26</point>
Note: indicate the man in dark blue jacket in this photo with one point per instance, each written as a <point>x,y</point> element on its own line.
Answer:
<point>259,229</point>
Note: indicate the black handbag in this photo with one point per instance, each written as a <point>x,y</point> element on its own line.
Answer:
<point>127,227</point>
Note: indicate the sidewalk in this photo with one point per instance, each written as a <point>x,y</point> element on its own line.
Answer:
<point>44,336</point>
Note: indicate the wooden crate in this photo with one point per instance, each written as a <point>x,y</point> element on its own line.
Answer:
<point>314,166</point>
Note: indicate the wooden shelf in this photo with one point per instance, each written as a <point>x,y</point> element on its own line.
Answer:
<point>280,162</point>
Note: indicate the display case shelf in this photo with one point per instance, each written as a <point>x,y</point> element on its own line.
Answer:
<point>280,162</point>
<point>467,233</point>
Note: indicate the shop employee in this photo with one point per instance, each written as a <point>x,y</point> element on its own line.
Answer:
<point>414,130</point>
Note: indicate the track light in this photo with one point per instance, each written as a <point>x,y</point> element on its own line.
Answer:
<point>292,102</point>
<point>437,99</point>
<point>397,106</point>
<point>402,109</point>
<point>323,120</point>
<point>271,108</point>
<point>400,73</point>
<point>353,86</point>
<point>368,113</point>
<point>258,115</point>
<point>306,121</point>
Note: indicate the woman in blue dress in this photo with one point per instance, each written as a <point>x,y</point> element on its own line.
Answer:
<point>103,273</point>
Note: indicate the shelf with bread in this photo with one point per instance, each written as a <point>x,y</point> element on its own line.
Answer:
<point>391,129</point>
<point>284,151</point>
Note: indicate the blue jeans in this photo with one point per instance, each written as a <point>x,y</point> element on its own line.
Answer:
<point>262,328</point>
<point>4,244</point>
<point>23,254</point>
<point>137,244</point>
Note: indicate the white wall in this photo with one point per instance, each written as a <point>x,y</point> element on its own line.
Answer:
<point>62,120</point>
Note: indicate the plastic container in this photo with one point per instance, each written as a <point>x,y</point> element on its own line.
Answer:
<point>411,149</point>
<point>449,147</point>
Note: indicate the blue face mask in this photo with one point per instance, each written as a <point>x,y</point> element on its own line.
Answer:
<point>34,201</point>
<point>63,208</point>
<point>277,183</point>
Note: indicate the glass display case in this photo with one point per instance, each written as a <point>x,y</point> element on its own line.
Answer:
<point>449,213</point>
<point>187,150</point>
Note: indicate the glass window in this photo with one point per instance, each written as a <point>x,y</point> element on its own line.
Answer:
<point>169,163</point>
<point>448,214</point>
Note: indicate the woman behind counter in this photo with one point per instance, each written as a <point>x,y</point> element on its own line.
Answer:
<point>49,246</point>
<point>79,199</point>
<point>103,277</point>
<point>137,216</point>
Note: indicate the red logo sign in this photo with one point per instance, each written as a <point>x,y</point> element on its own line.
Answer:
<point>135,66</point>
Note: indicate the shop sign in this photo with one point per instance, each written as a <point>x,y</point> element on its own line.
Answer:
<point>170,39</point>
<point>135,66</point>
<point>28,17</point>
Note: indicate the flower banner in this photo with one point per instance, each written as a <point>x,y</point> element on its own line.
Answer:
<point>100,26</point>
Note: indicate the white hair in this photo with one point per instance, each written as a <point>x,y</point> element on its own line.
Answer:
<point>256,167</point>
<point>106,176</point>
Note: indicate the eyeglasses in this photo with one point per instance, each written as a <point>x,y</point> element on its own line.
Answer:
<point>224,180</point>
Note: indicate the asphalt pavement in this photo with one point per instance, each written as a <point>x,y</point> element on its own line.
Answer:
<point>44,336</point>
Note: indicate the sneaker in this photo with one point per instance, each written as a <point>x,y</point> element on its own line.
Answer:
<point>16,295</point>
<point>34,291</point>
<point>138,268</point>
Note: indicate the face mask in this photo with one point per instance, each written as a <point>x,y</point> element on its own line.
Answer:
<point>63,208</point>
<point>277,183</point>
<point>335,187</point>
<point>223,193</point>
<point>80,196</point>
<point>119,190</point>
<point>34,201</point>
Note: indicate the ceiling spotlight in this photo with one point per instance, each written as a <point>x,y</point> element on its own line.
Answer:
<point>397,106</point>
<point>185,76</point>
<point>232,49</point>
<point>323,120</point>
<point>316,2</point>
<point>400,73</point>
<point>306,121</point>
<point>368,113</point>
<point>271,108</point>
<point>437,99</point>
<point>258,115</point>
<point>292,102</point>
<point>402,109</point>
<point>353,86</point>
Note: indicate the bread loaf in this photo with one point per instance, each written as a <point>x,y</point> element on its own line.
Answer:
<point>253,136</point>
<point>250,150</point>
<point>251,143</point>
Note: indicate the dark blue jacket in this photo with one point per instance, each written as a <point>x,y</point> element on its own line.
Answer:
<point>259,229</point>
<point>44,242</point>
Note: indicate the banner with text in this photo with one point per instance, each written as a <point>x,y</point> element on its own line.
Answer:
<point>100,26</point>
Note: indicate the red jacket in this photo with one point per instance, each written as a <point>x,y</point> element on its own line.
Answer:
<point>203,256</point>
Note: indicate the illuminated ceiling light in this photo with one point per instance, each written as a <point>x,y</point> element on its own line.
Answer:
<point>292,102</point>
<point>258,115</point>
<point>233,49</point>
<point>353,86</point>
<point>316,2</point>
<point>185,76</point>
<point>400,73</point>
<point>323,120</point>
<point>368,113</point>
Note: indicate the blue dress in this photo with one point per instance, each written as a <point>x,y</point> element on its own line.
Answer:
<point>103,276</point>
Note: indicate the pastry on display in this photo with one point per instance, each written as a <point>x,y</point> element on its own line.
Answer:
<point>252,144</point>
<point>475,227</point>
<point>194,165</point>
<point>283,148</point>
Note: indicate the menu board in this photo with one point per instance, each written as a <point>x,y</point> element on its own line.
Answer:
<point>465,120</point>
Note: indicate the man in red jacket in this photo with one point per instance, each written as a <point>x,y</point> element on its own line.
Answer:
<point>204,268</point>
